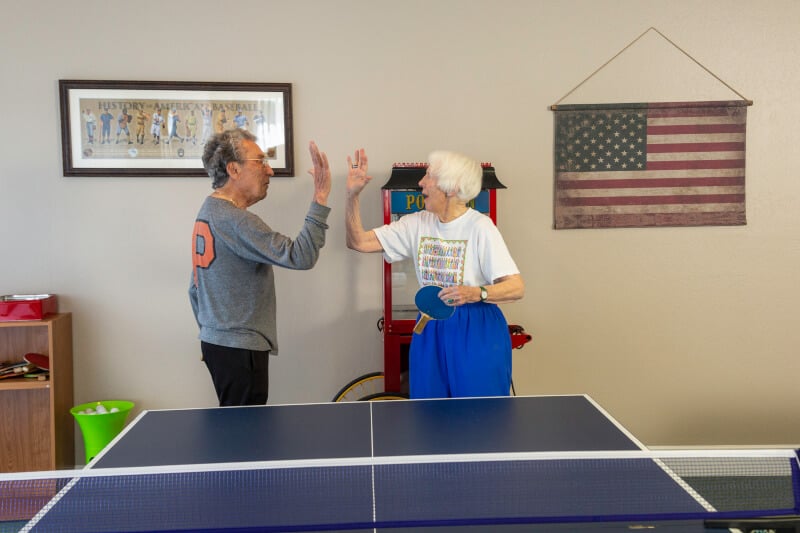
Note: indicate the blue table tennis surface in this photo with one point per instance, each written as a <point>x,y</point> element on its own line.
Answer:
<point>297,498</point>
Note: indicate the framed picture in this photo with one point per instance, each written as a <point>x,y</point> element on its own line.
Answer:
<point>150,128</point>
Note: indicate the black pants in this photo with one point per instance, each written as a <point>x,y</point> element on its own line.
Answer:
<point>241,377</point>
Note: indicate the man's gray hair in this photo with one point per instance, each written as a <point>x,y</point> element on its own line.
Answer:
<point>222,149</point>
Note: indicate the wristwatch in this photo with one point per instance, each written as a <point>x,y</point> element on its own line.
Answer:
<point>484,294</point>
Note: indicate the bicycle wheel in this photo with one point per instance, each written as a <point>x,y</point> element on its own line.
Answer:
<point>362,386</point>
<point>381,396</point>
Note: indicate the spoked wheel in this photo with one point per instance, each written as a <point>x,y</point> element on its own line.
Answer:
<point>369,387</point>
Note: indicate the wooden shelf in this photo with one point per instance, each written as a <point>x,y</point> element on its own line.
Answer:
<point>23,383</point>
<point>37,431</point>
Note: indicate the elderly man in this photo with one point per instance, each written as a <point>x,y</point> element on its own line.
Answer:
<point>232,289</point>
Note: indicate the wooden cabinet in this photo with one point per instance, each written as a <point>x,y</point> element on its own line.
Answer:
<point>37,431</point>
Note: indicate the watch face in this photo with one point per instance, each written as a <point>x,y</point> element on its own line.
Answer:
<point>484,294</point>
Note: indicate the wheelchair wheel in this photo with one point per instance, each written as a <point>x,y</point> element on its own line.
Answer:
<point>369,387</point>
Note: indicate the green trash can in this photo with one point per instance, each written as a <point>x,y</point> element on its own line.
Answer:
<point>99,429</point>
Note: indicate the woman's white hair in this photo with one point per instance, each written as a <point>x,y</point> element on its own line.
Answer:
<point>456,173</point>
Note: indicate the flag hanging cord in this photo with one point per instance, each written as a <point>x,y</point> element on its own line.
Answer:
<point>555,106</point>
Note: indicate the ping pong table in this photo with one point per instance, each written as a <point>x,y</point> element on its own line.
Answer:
<point>387,466</point>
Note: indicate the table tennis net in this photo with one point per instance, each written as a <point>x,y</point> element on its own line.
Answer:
<point>410,492</point>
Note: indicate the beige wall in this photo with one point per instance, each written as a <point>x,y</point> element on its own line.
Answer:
<point>688,336</point>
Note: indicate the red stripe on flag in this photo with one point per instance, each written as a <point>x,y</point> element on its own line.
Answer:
<point>651,183</point>
<point>691,165</point>
<point>654,200</point>
<point>695,147</point>
<point>696,128</point>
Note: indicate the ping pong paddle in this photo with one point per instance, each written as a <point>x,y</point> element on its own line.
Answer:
<point>38,360</point>
<point>430,306</point>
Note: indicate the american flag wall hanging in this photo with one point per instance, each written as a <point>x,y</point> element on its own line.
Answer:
<point>650,164</point>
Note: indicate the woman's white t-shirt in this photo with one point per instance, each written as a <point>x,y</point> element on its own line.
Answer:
<point>466,251</point>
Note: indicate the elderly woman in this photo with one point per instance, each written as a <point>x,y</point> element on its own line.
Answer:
<point>468,354</point>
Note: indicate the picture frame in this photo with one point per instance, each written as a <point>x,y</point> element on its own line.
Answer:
<point>108,128</point>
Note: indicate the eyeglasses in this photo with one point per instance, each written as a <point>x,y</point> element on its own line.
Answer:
<point>263,159</point>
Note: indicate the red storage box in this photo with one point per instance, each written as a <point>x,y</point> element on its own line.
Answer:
<point>27,306</point>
